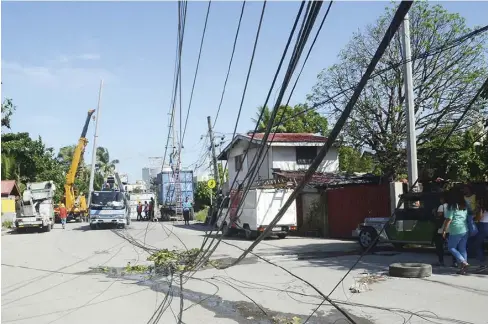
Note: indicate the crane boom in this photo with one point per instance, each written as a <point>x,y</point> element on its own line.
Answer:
<point>70,199</point>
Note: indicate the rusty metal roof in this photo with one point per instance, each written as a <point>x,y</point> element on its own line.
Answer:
<point>329,179</point>
<point>9,187</point>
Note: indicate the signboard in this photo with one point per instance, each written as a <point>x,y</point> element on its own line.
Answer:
<point>211,183</point>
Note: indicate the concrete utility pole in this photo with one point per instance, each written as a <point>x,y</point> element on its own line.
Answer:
<point>94,150</point>
<point>214,157</point>
<point>409,103</point>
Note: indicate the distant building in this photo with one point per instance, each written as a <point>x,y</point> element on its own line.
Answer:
<point>148,174</point>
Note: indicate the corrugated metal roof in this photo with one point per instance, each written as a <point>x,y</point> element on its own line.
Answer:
<point>329,179</point>
<point>9,187</point>
<point>291,137</point>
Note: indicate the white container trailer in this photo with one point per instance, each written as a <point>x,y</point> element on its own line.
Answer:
<point>256,213</point>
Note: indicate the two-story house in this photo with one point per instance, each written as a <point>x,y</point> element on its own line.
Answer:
<point>287,152</point>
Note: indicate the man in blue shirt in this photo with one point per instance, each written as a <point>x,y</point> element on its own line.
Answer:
<point>186,211</point>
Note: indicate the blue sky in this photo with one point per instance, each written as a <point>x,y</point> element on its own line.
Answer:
<point>54,54</point>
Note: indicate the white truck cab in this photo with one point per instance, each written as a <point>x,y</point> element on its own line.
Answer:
<point>109,207</point>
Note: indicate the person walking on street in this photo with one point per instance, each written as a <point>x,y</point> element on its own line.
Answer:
<point>186,211</point>
<point>151,209</point>
<point>482,219</point>
<point>146,210</point>
<point>63,214</point>
<point>139,211</point>
<point>457,225</point>
<point>438,238</point>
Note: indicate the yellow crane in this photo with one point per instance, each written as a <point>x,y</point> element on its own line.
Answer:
<point>76,204</point>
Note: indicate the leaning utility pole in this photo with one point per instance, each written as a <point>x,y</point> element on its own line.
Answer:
<point>94,150</point>
<point>214,157</point>
<point>409,103</point>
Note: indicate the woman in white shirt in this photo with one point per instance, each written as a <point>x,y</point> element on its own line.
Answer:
<point>482,219</point>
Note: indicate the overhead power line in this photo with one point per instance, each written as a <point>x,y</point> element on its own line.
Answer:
<point>196,72</point>
<point>230,62</point>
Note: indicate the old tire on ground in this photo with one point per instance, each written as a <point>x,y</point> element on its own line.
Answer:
<point>410,270</point>
<point>367,236</point>
<point>281,236</point>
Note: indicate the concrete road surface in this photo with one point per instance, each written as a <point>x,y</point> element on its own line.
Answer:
<point>75,276</point>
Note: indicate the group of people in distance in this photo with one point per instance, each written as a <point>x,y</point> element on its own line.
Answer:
<point>462,221</point>
<point>148,210</point>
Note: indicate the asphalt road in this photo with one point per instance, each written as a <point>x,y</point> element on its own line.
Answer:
<point>75,276</point>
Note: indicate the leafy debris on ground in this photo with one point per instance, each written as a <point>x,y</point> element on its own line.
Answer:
<point>363,282</point>
<point>174,261</point>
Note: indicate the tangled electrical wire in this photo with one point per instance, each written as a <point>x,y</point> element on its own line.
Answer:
<point>311,13</point>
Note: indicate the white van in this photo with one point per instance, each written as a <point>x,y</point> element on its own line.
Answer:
<point>256,213</point>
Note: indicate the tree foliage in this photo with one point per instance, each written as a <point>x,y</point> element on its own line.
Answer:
<point>444,83</point>
<point>293,120</point>
<point>8,109</point>
<point>351,160</point>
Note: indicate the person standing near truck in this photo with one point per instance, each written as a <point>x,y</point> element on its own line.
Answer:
<point>186,211</point>
<point>146,210</point>
<point>139,211</point>
<point>151,209</point>
<point>63,214</point>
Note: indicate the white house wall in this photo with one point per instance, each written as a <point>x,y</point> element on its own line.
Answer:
<point>281,157</point>
<point>284,158</point>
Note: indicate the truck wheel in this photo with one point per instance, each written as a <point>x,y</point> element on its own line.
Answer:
<point>226,230</point>
<point>281,236</point>
<point>250,235</point>
<point>47,228</point>
<point>366,237</point>
<point>93,226</point>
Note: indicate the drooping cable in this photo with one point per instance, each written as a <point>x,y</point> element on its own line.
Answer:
<point>230,63</point>
<point>195,75</point>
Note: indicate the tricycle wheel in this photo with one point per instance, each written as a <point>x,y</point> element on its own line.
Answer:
<point>367,238</point>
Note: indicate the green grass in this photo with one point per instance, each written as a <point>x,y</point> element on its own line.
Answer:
<point>7,224</point>
<point>201,215</point>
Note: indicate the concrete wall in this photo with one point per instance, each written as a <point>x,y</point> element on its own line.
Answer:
<point>8,205</point>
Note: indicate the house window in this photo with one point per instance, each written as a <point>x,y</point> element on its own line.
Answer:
<point>306,154</point>
<point>238,162</point>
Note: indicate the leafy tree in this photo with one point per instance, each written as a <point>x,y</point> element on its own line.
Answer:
<point>8,109</point>
<point>294,120</point>
<point>444,83</point>
<point>30,160</point>
<point>224,175</point>
<point>351,160</point>
<point>105,166</point>
<point>202,195</point>
<point>462,159</point>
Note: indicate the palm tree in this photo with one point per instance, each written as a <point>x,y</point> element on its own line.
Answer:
<point>9,168</point>
<point>104,165</point>
<point>263,123</point>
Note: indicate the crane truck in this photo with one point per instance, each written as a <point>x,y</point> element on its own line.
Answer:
<point>75,202</point>
<point>37,207</point>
